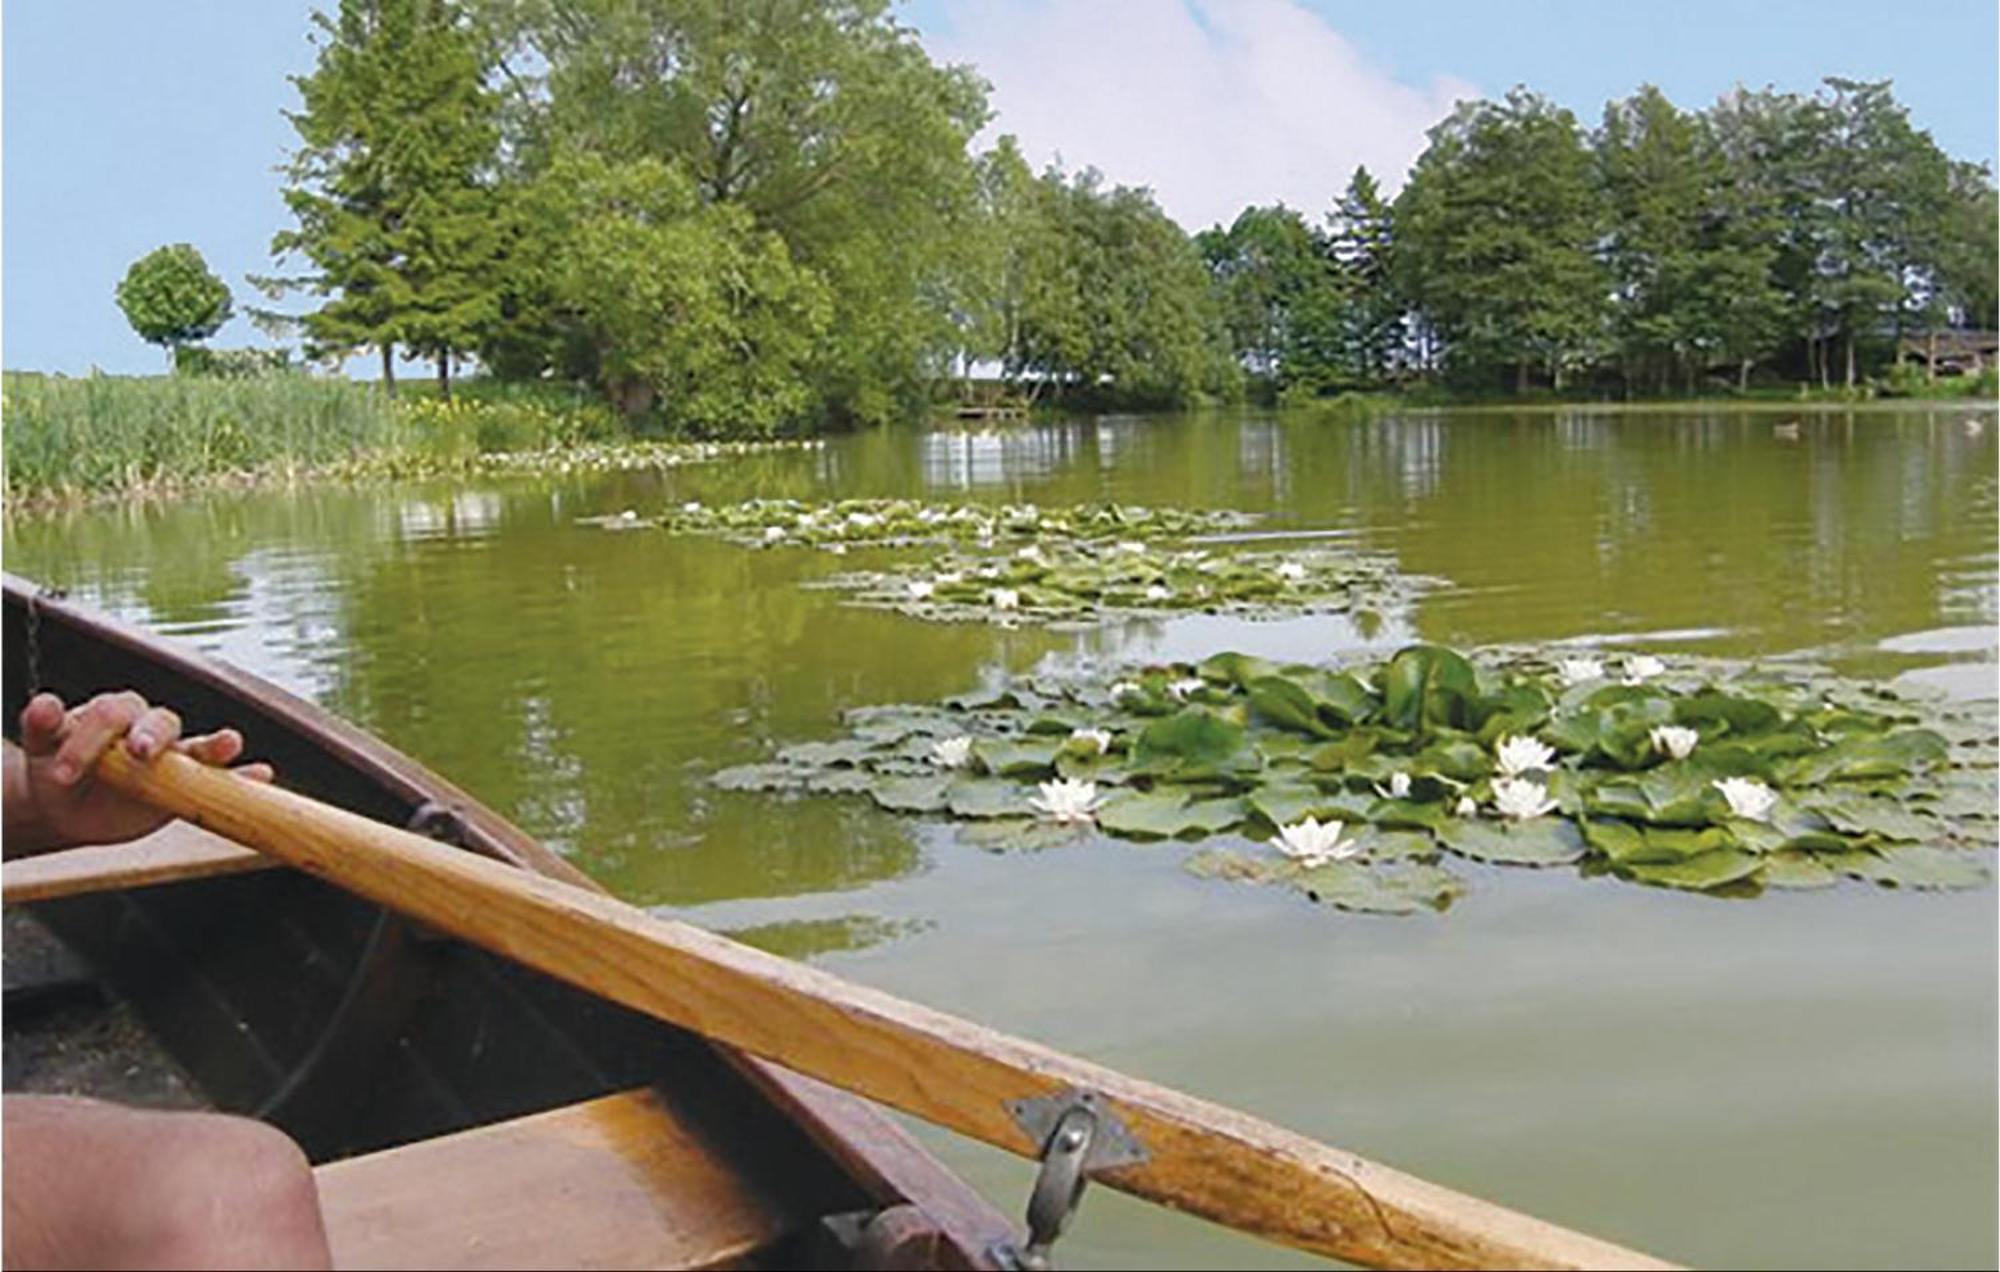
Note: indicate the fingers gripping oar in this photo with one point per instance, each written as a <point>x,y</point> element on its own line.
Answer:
<point>1191,1155</point>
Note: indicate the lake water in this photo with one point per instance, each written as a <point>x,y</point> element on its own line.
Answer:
<point>1797,1080</point>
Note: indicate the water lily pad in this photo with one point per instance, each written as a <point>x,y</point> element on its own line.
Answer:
<point>1862,815</point>
<point>1290,802</point>
<point>840,781</point>
<point>1860,784</point>
<point>1020,834</point>
<point>1034,757</point>
<point>1147,814</point>
<point>1539,841</point>
<point>1194,743</point>
<point>1380,888</point>
<point>1236,669</point>
<point>912,794</point>
<point>1915,866</point>
<point>846,751</point>
<point>1862,757</point>
<point>761,777</point>
<point>1798,870</point>
<point>1235,865</point>
<point>1376,843</point>
<point>1407,813</point>
<point>1287,704</point>
<point>987,797</point>
<point>1427,686</point>
<point>1701,873</point>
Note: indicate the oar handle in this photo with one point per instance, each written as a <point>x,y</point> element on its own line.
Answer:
<point>1199,1157</point>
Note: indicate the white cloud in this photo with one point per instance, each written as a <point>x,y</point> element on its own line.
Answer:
<point>1215,104</point>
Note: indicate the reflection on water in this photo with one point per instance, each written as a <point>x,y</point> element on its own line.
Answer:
<point>1688,1076</point>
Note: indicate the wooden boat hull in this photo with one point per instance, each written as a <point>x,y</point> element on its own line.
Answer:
<point>355,1031</point>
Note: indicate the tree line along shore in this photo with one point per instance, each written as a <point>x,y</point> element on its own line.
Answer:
<point>713,220</point>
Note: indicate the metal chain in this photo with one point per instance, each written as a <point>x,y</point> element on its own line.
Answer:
<point>34,641</point>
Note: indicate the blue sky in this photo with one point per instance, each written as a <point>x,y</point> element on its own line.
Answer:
<point>129,123</point>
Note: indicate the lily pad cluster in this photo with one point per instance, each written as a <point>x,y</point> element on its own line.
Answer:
<point>1089,582</point>
<point>849,523</point>
<point>1357,785</point>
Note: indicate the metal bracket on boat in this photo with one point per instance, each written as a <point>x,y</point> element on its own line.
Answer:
<point>446,824</point>
<point>440,822</point>
<point>1080,1136</point>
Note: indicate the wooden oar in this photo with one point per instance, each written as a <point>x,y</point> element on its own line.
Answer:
<point>1200,1157</point>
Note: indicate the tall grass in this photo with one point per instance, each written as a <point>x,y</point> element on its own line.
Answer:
<point>82,436</point>
<point>75,438</point>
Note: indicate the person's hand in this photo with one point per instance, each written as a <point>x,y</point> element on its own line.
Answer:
<point>62,747</point>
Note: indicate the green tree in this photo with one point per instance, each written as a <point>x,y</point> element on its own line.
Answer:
<point>1497,231</point>
<point>1277,287</point>
<point>1114,301</point>
<point>392,186</point>
<point>171,298</point>
<point>1362,225</point>
<point>690,310</point>
<point>825,123</point>
<point>1968,264</point>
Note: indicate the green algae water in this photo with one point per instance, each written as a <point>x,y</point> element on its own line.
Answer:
<point>1802,1080</point>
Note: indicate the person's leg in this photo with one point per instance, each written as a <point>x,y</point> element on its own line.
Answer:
<point>94,1185</point>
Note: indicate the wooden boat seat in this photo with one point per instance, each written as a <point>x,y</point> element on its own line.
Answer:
<point>621,1181</point>
<point>170,854</point>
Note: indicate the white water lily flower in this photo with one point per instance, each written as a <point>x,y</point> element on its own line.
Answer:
<point>1748,797</point>
<point>1100,739</point>
<point>1030,553</point>
<point>1642,667</point>
<point>1312,843</point>
<point>1127,689</point>
<point>838,549</point>
<point>691,507</point>
<point>920,589</point>
<point>1291,571</point>
<point>1066,800</point>
<point>1674,739</point>
<point>628,515</point>
<point>1180,689</point>
<point>1398,787</point>
<point>1518,755</point>
<point>1521,799</point>
<point>989,571</point>
<point>773,533</point>
<point>1004,598</point>
<point>952,752</point>
<point>1575,671</point>
<point>1465,807</point>
<point>863,520</point>
<point>1158,593</point>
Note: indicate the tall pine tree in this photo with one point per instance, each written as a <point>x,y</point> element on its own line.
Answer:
<point>392,186</point>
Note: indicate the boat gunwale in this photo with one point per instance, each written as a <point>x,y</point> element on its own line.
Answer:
<point>883,1160</point>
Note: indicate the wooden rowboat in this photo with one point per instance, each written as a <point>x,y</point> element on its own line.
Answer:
<point>507,1067</point>
<point>461,1110</point>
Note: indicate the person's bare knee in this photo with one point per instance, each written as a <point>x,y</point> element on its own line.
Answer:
<point>97,1185</point>
<point>240,1194</point>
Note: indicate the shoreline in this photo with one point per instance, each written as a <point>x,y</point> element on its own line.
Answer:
<point>411,466</point>
<point>635,455</point>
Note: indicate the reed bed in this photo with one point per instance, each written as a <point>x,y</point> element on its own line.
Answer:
<point>78,437</point>
<point>76,440</point>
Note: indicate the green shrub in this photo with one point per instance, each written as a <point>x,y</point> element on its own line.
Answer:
<point>231,364</point>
